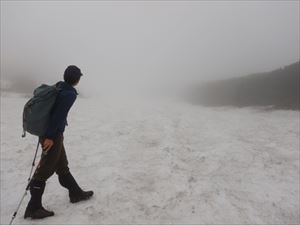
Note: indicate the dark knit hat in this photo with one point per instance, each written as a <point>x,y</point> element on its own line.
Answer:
<point>72,74</point>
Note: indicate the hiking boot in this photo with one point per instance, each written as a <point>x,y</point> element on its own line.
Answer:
<point>34,208</point>
<point>84,195</point>
<point>76,194</point>
<point>38,213</point>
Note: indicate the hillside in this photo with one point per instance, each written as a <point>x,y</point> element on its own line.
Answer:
<point>278,88</point>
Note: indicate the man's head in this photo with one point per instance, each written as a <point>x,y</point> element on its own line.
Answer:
<point>72,75</point>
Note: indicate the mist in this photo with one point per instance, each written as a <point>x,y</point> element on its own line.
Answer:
<point>154,47</point>
<point>187,113</point>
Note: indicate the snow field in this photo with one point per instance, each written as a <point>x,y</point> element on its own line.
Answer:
<point>162,162</point>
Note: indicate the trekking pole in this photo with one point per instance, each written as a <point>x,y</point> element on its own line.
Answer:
<point>28,185</point>
<point>33,162</point>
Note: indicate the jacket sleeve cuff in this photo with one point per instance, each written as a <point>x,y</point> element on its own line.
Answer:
<point>50,136</point>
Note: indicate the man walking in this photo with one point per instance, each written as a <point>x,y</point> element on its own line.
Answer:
<point>54,158</point>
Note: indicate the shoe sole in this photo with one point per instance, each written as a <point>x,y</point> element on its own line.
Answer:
<point>83,199</point>
<point>34,218</point>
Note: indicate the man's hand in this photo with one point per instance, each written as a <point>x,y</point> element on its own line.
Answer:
<point>47,145</point>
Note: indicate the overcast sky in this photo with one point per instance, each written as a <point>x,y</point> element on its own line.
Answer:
<point>130,43</point>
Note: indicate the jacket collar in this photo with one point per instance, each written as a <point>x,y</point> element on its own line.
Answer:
<point>65,86</point>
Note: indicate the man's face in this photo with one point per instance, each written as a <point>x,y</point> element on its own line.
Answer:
<point>76,83</point>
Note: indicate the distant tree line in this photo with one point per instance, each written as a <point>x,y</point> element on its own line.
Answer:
<point>23,84</point>
<point>19,84</point>
<point>279,89</point>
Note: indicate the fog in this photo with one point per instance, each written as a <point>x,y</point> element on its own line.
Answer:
<point>130,46</point>
<point>188,111</point>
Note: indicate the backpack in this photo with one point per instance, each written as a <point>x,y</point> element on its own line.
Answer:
<point>37,110</point>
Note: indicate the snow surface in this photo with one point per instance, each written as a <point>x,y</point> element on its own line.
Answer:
<point>158,162</point>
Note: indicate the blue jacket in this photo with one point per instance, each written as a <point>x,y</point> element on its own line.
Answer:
<point>64,101</point>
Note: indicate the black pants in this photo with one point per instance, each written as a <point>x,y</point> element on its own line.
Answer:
<point>55,160</point>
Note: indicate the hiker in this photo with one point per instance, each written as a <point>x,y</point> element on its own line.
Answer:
<point>54,158</point>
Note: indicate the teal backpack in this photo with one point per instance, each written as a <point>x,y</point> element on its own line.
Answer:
<point>37,110</point>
